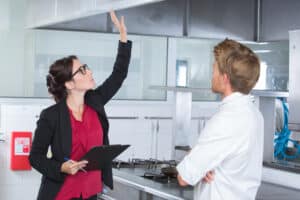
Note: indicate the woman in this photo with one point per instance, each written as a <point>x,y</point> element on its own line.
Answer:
<point>76,123</point>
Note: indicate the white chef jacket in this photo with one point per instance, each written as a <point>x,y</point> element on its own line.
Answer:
<point>231,144</point>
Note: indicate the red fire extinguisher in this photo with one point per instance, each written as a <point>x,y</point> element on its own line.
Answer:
<point>20,149</point>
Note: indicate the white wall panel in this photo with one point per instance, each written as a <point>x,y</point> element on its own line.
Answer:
<point>294,97</point>
<point>4,15</point>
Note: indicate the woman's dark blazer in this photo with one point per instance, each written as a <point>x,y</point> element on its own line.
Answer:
<point>54,129</point>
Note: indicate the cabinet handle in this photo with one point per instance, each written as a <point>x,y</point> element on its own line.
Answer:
<point>123,117</point>
<point>148,117</point>
<point>200,118</point>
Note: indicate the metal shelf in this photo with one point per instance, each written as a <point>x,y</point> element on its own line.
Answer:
<point>159,118</point>
<point>294,127</point>
<point>270,93</point>
<point>179,89</point>
<point>262,93</point>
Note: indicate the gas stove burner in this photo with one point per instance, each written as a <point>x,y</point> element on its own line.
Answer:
<point>122,164</point>
<point>143,163</point>
<point>159,177</point>
<point>138,161</point>
<point>151,175</point>
<point>172,163</point>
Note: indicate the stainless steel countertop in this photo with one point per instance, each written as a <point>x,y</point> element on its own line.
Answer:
<point>268,191</point>
<point>172,191</point>
<point>132,178</point>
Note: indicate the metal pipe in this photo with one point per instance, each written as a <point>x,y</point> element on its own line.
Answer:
<point>186,19</point>
<point>258,20</point>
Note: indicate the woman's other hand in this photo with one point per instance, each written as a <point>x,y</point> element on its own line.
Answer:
<point>119,25</point>
<point>209,177</point>
<point>72,167</point>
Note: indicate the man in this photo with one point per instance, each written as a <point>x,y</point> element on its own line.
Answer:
<point>231,144</point>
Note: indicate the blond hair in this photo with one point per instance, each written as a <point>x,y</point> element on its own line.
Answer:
<point>240,63</point>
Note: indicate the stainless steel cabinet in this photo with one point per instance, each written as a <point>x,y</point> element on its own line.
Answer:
<point>122,192</point>
<point>220,19</point>
<point>278,18</point>
<point>162,18</point>
<point>91,24</point>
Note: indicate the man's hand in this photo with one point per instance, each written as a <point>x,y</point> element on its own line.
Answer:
<point>119,25</point>
<point>209,177</point>
<point>181,181</point>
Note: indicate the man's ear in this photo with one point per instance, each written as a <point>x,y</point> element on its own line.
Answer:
<point>226,79</point>
<point>69,85</point>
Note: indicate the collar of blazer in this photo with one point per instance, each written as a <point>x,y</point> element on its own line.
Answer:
<point>65,122</point>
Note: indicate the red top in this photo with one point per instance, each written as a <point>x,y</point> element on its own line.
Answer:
<point>85,135</point>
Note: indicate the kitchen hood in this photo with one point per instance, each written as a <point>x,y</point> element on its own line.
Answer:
<point>42,13</point>
<point>174,18</point>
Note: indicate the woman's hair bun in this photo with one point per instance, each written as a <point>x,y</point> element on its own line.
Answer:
<point>59,73</point>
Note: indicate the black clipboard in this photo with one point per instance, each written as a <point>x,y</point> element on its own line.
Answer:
<point>100,157</point>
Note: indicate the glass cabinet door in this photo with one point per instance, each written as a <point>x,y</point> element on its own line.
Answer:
<point>147,65</point>
<point>194,61</point>
<point>274,63</point>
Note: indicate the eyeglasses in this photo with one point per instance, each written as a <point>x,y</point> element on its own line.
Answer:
<point>82,69</point>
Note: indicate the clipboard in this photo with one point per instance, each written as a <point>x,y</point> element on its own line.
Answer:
<point>100,157</point>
